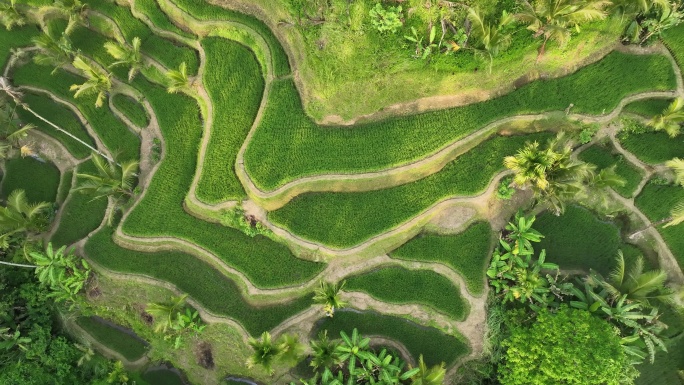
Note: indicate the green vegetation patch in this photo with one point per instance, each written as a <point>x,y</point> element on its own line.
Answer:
<point>65,186</point>
<point>674,40</point>
<point>434,345</point>
<point>151,9</point>
<point>203,11</point>
<point>667,364</point>
<point>655,202</point>
<point>132,109</point>
<point>467,252</point>
<point>578,239</point>
<point>234,82</point>
<point>399,285</point>
<point>16,38</point>
<point>160,213</point>
<point>62,117</point>
<point>40,179</point>
<point>347,219</point>
<point>129,346</point>
<point>604,156</point>
<point>647,108</point>
<point>113,133</point>
<point>80,215</point>
<point>288,145</point>
<point>643,142</point>
<point>216,292</point>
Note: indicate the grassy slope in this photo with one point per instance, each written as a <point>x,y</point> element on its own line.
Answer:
<point>403,286</point>
<point>128,346</point>
<point>656,202</point>
<point>213,290</point>
<point>62,117</point>
<point>604,156</point>
<point>132,109</point>
<point>288,145</point>
<point>39,179</point>
<point>434,345</point>
<point>579,240</point>
<point>467,252</point>
<point>347,219</point>
<point>234,82</point>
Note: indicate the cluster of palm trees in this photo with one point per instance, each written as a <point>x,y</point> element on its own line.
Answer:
<point>174,319</point>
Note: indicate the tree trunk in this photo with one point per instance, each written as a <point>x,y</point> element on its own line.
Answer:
<point>653,224</point>
<point>16,264</point>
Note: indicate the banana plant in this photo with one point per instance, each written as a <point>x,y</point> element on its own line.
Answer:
<point>422,50</point>
<point>522,233</point>
<point>353,349</point>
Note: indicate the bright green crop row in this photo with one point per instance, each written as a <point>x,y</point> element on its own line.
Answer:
<point>234,82</point>
<point>656,202</point>
<point>434,345</point>
<point>206,285</point>
<point>467,252</point>
<point>578,239</point>
<point>347,219</point>
<point>65,186</point>
<point>80,215</point>
<point>62,117</point>
<point>604,156</point>
<point>164,51</point>
<point>17,37</point>
<point>674,40</point>
<point>113,133</point>
<point>653,147</point>
<point>160,213</point>
<point>127,345</point>
<point>151,9</point>
<point>39,179</point>
<point>132,109</point>
<point>399,285</point>
<point>288,145</point>
<point>204,11</point>
<point>647,108</point>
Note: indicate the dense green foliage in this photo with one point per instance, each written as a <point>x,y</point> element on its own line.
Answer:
<point>216,292</point>
<point>159,213</point>
<point>656,201</point>
<point>647,108</point>
<point>40,179</point>
<point>326,217</point>
<point>17,37</point>
<point>554,349</point>
<point>62,117</point>
<point>604,156</point>
<point>467,252</point>
<point>667,364</point>
<point>151,9</point>
<point>599,244</point>
<point>130,347</point>
<point>674,40</point>
<point>643,144</point>
<point>400,285</point>
<point>234,82</point>
<point>594,89</point>
<point>434,345</point>
<point>203,11</point>
<point>132,109</point>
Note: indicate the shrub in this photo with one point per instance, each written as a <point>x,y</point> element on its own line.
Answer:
<point>385,19</point>
<point>505,191</point>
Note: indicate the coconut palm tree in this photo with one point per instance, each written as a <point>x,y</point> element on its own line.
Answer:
<point>111,181</point>
<point>56,52</point>
<point>73,10</point>
<point>178,79</point>
<point>490,38</point>
<point>265,352</point>
<point>554,19</point>
<point>636,284</point>
<point>12,14</point>
<point>126,55</point>
<point>12,132</point>
<point>325,354</point>
<point>677,165</point>
<point>97,81</point>
<point>165,314</point>
<point>429,376</point>
<point>328,295</point>
<point>291,350</point>
<point>634,7</point>
<point>21,219</point>
<point>677,212</point>
<point>671,119</point>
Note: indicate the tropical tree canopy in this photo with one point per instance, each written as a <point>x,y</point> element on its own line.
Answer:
<point>671,119</point>
<point>178,79</point>
<point>20,219</point>
<point>490,38</point>
<point>12,132</point>
<point>53,51</point>
<point>328,295</point>
<point>97,81</point>
<point>126,55</point>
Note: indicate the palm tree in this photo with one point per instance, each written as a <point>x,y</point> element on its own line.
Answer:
<point>677,212</point>
<point>677,165</point>
<point>74,10</point>
<point>634,7</point>
<point>11,15</point>
<point>126,55</point>
<point>178,79</point>
<point>608,178</point>
<point>97,81</point>
<point>12,133</point>
<point>328,294</point>
<point>429,376</point>
<point>165,314</point>
<point>265,352</point>
<point>635,284</point>
<point>491,38</point>
<point>53,51</point>
<point>325,352</point>
<point>671,119</point>
<point>21,218</point>
<point>553,19</point>
<point>88,353</point>
<point>112,180</point>
<point>291,350</point>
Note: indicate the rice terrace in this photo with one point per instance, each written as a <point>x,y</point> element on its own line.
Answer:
<point>342,192</point>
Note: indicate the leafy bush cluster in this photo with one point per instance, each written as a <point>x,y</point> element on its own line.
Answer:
<point>386,19</point>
